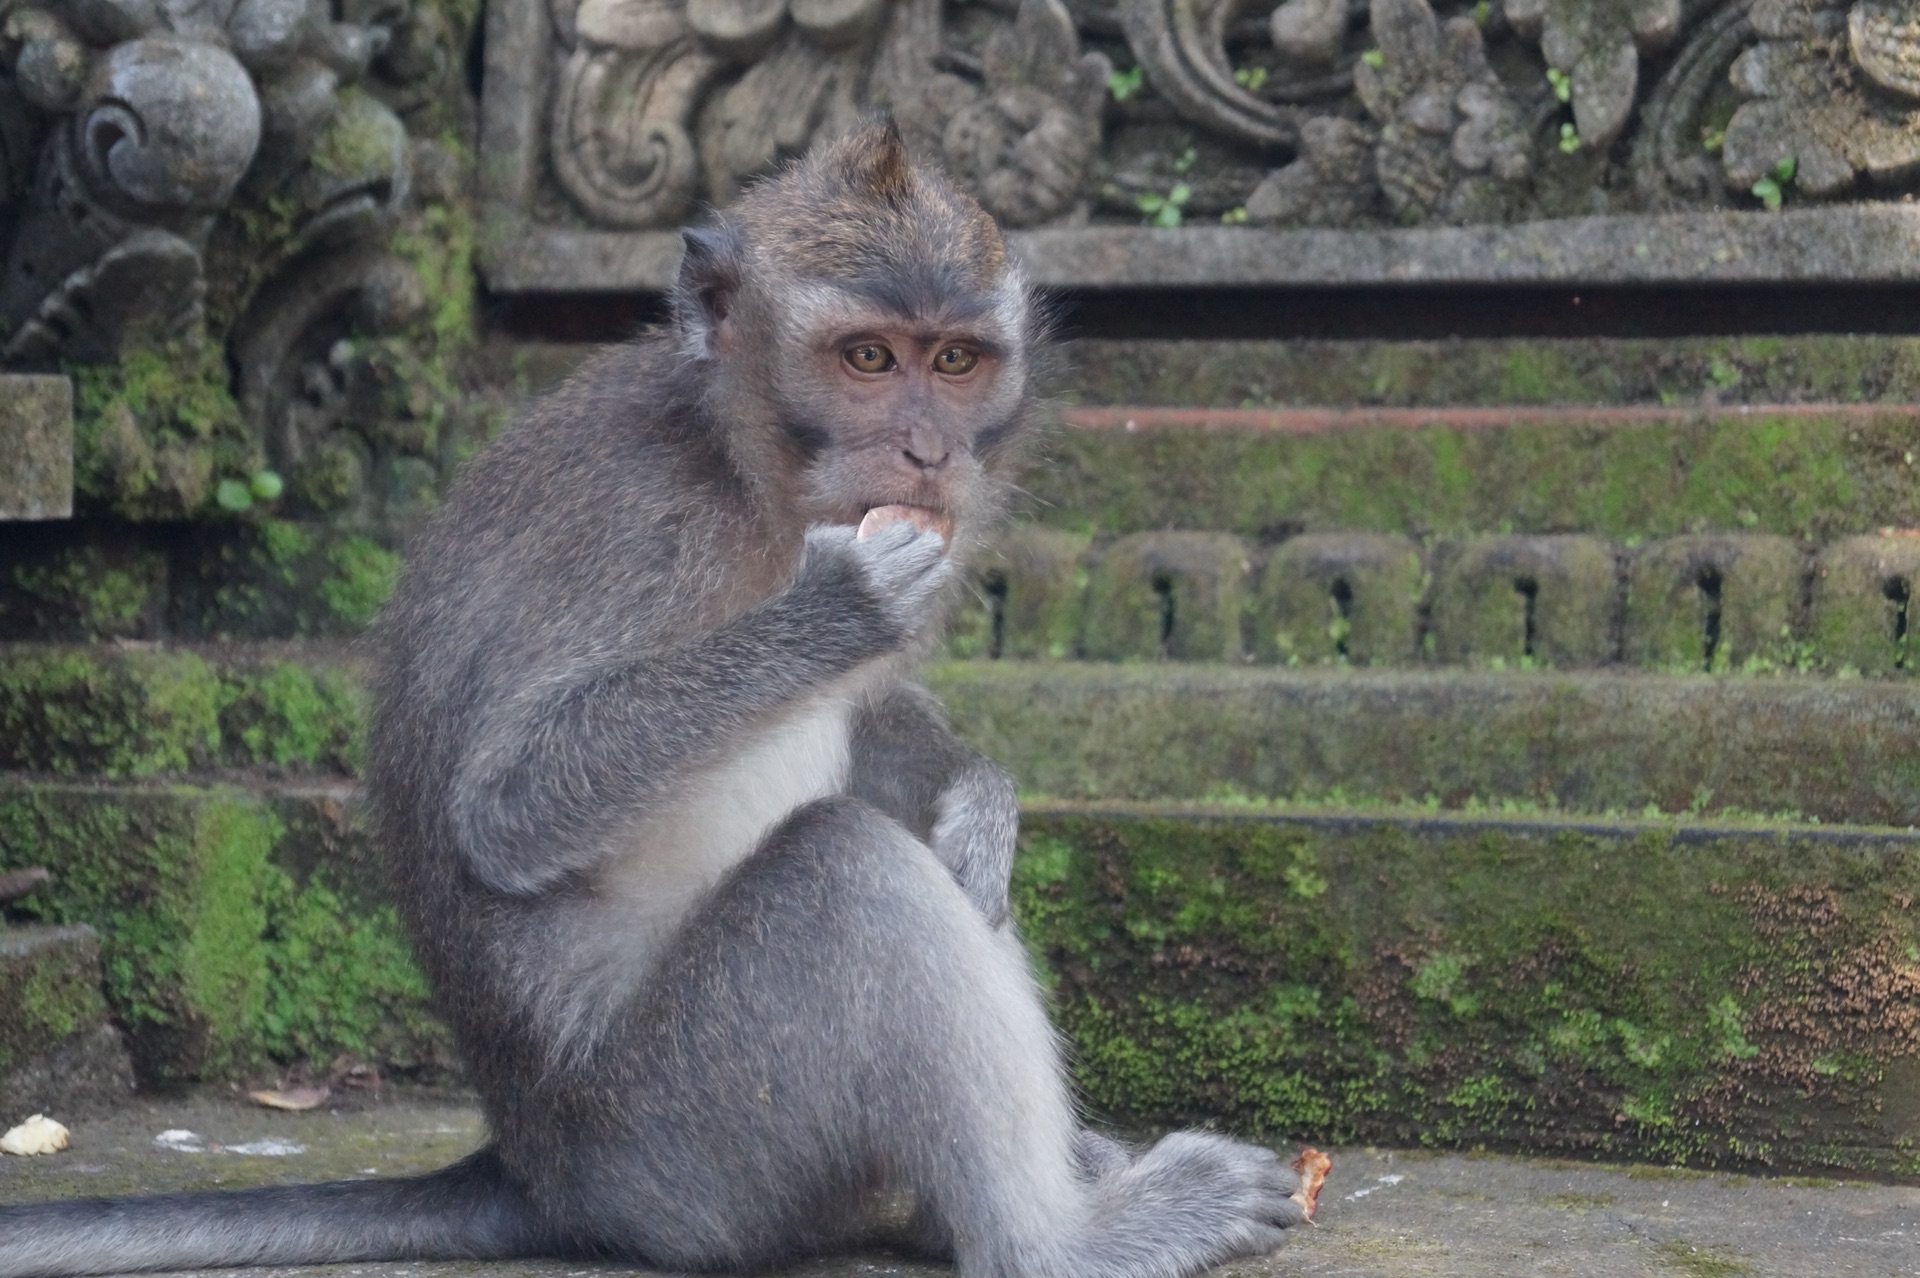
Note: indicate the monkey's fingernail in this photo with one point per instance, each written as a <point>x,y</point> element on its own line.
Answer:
<point>923,518</point>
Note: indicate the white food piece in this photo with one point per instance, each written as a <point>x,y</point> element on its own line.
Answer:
<point>180,1141</point>
<point>920,517</point>
<point>38,1135</point>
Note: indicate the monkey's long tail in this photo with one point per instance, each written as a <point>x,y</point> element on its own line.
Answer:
<point>464,1212</point>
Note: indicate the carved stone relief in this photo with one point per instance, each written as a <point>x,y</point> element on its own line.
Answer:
<point>180,173</point>
<point>1296,113</point>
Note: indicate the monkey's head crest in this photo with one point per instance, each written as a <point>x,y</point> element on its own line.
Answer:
<point>853,211</point>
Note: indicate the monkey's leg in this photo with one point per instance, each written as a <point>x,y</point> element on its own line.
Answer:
<point>840,1017</point>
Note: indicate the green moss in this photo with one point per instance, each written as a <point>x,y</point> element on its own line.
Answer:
<point>294,716</point>
<point>1702,1262</point>
<point>1655,993</point>
<point>142,713</point>
<point>1801,476</point>
<point>364,574</point>
<point>49,989</point>
<point>341,978</point>
<point>361,140</point>
<point>135,715</point>
<point>221,950</point>
<point>153,432</point>
<point>92,590</point>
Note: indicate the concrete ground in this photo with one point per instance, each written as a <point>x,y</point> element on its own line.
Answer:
<point>1383,1214</point>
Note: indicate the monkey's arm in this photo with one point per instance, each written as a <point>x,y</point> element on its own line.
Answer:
<point>908,763</point>
<point>550,774</point>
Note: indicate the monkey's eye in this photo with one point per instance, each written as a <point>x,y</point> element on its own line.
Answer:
<point>955,361</point>
<point>870,357</point>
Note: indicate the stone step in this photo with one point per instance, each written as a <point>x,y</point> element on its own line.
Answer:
<point>1690,371</point>
<point>58,1054</point>
<point>239,926</point>
<point>1675,992</point>
<point>1798,470</point>
<point>1384,1214</point>
<point>270,716</point>
<point>1801,749</point>
<point>1721,993</point>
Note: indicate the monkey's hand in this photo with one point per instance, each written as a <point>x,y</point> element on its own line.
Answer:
<point>976,821</point>
<point>899,569</point>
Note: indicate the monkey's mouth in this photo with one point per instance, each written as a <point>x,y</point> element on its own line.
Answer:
<point>924,518</point>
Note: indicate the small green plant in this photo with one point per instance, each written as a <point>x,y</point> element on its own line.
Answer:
<point>1374,58</point>
<point>1235,216</point>
<point>1562,84</point>
<point>1722,373</point>
<point>1124,84</point>
<point>1569,138</point>
<point>1482,13</point>
<point>1186,160</point>
<point>1712,139</point>
<point>1250,78</point>
<point>1772,189</point>
<point>238,495</point>
<point>1164,210</point>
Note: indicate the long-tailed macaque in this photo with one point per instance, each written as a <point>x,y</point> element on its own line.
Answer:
<point>714,900</point>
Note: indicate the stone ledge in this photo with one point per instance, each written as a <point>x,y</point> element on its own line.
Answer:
<point>57,1053</point>
<point>36,439</point>
<point>1859,243</point>
<point>1705,994</point>
<point>1829,750</point>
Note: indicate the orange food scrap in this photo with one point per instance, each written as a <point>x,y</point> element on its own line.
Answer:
<point>1313,1167</point>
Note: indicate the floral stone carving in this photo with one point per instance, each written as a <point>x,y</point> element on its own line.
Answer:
<point>1830,92</point>
<point>188,181</point>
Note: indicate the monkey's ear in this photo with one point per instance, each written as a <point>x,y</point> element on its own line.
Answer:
<point>704,293</point>
<point>876,162</point>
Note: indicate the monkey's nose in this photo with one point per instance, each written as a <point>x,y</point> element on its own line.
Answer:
<point>925,449</point>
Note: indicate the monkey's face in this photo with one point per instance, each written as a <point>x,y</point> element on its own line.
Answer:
<point>886,409</point>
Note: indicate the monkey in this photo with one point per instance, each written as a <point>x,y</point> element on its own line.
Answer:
<point>712,897</point>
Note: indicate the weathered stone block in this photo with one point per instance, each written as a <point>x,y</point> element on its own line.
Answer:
<point>1663,992</point>
<point>1028,597</point>
<point>1839,750</point>
<point>279,579</point>
<point>140,712</point>
<point>1330,597</point>
<point>1175,595</point>
<point>1862,592</point>
<point>36,441</point>
<point>1519,601</point>
<point>1712,602</point>
<point>1809,472</point>
<point>57,1054</point>
<point>81,582</point>
<point>236,926</point>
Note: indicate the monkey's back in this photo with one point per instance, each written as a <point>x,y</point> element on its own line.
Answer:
<point>602,526</point>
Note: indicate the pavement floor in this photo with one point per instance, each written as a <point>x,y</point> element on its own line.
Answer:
<point>1383,1213</point>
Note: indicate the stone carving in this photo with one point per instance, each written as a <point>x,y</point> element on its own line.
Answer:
<point>1020,128</point>
<point>1452,142</point>
<point>189,187</point>
<point>159,113</point>
<point>663,100</point>
<point>1597,44</point>
<point>1830,92</point>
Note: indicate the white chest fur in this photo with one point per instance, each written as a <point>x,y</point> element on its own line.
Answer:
<point>675,857</point>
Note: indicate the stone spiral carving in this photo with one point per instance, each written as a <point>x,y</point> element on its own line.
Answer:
<point>149,120</point>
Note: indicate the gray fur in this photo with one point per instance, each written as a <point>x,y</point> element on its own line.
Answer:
<point>713,898</point>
